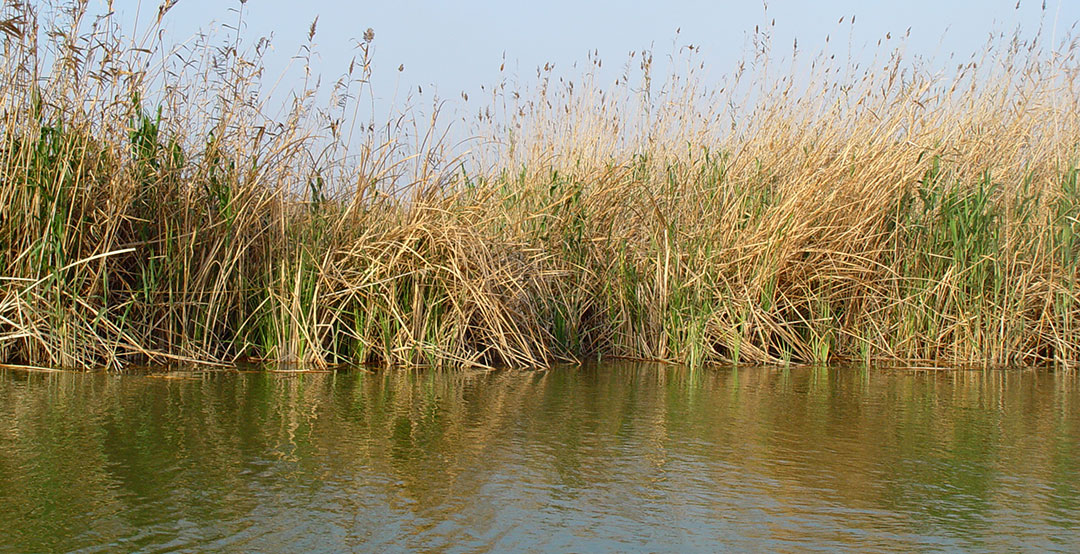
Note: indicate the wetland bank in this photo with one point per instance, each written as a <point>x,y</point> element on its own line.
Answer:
<point>150,212</point>
<point>768,245</point>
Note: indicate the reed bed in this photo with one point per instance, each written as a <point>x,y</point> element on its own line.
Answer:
<point>152,212</point>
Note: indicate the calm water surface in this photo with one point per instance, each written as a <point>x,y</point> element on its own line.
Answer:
<point>605,459</point>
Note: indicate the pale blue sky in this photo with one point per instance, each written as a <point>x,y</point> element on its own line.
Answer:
<point>451,47</point>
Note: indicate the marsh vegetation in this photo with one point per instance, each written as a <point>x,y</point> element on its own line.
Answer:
<point>151,211</point>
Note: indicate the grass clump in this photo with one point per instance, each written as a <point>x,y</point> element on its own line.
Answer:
<point>151,212</point>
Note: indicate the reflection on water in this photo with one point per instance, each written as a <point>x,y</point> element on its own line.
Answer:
<point>613,458</point>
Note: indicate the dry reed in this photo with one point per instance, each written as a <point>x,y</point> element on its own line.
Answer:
<point>150,213</point>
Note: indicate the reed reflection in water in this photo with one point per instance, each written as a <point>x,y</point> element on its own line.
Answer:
<point>622,457</point>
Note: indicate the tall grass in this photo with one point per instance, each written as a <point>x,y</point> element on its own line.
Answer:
<point>151,211</point>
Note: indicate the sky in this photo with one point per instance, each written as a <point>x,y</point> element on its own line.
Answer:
<point>449,48</point>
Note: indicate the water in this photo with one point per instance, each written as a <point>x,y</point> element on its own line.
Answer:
<point>617,458</point>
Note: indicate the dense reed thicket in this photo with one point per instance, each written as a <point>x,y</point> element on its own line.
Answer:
<point>150,211</point>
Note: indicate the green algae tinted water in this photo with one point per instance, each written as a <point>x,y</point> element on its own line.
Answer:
<point>614,458</point>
